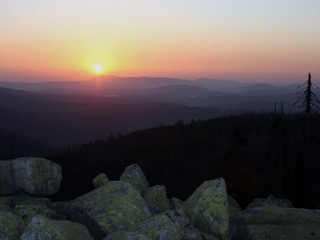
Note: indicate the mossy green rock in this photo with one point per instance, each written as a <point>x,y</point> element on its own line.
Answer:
<point>12,201</point>
<point>32,210</point>
<point>208,208</point>
<point>113,207</point>
<point>44,228</point>
<point>124,235</point>
<point>157,200</point>
<point>10,226</point>
<point>277,215</point>
<point>194,234</point>
<point>134,175</point>
<point>278,232</point>
<point>270,201</point>
<point>274,222</point>
<point>36,176</point>
<point>234,207</point>
<point>167,225</point>
<point>100,180</point>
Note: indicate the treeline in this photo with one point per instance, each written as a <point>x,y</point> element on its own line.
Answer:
<point>16,145</point>
<point>257,154</point>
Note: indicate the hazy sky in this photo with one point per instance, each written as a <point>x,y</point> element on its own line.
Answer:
<point>239,39</point>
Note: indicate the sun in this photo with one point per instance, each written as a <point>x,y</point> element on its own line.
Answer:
<point>98,68</point>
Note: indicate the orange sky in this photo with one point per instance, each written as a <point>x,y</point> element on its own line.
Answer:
<point>247,40</point>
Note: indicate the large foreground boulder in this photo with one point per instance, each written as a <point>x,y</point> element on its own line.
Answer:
<point>36,176</point>
<point>113,207</point>
<point>208,208</point>
<point>43,228</point>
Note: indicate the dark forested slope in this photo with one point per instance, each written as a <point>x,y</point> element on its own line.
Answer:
<point>257,154</point>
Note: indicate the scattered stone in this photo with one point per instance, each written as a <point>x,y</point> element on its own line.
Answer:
<point>32,210</point>
<point>234,207</point>
<point>10,226</point>
<point>43,228</point>
<point>178,204</point>
<point>131,210</point>
<point>277,216</point>
<point>208,208</point>
<point>125,235</point>
<point>134,175</point>
<point>36,176</point>
<point>270,201</point>
<point>61,209</point>
<point>12,201</point>
<point>113,207</point>
<point>157,200</point>
<point>4,208</point>
<point>194,234</point>
<point>166,225</point>
<point>278,232</point>
<point>100,180</point>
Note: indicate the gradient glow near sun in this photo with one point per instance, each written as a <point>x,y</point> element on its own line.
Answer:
<point>98,68</point>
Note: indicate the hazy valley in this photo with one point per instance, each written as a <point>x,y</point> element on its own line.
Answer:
<point>67,113</point>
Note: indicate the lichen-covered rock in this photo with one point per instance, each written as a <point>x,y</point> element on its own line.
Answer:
<point>113,207</point>
<point>125,235</point>
<point>194,234</point>
<point>274,222</point>
<point>43,228</point>
<point>270,201</point>
<point>61,209</point>
<point>32,210</point>
<point>100,180</point>
<point>134,175</point>
<point>157,200</point>
<point>278,232</point>
<point>178,204</point>
<point>10,226</point>
<point>5,208</point>
<point>234,207</point>
<point>166,225</point>
<point>208,208</point>
<point>12,201</point>
<point>276,215</point>
<point>36,176</point>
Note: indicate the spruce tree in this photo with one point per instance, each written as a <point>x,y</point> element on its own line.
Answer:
<point>309,103</point>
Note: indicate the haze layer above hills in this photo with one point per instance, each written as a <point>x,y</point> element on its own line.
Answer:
<point>72,112</point>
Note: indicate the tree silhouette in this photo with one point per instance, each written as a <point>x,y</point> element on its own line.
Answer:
<point>308,101</point>
<point>275,155</point>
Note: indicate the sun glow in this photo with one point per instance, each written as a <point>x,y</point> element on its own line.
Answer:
<point>98,68</point>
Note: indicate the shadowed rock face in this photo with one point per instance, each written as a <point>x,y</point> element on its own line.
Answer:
<point>36,176</point>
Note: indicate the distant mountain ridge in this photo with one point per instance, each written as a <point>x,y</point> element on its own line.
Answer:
<point>72,112</point>
<point>200,92</point>
<point>133,83</point>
